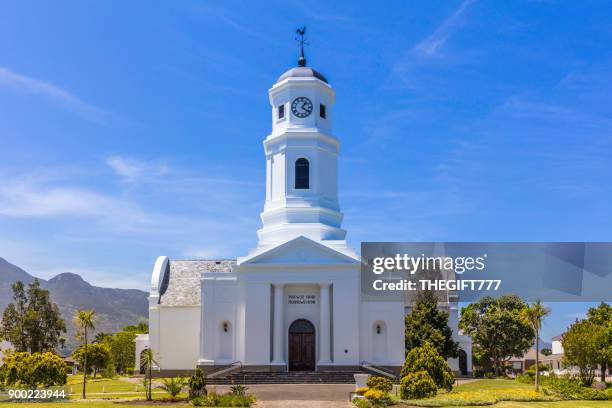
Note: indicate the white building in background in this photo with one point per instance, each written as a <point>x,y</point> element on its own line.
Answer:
<point>293,302</point>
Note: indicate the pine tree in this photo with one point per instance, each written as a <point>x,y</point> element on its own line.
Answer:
<point>428,323</point>
<point>32,323</point>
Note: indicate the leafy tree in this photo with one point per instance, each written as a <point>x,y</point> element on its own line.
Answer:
<point>428,323</point>
<point>123,348</point>
<point>32,322</point>
<point>148,361</point>
<point>546,351</point>
<point>103,338</point>
<point>140,328</point>
<point>84,321</point>
<point>426,358</point>
<point>533,316</point>
<point>583,343</point>
<point>497,328</point>
<point>98,356</point>
<point>602,316</point>
<point>24,369</point>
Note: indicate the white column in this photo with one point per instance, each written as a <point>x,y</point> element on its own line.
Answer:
<point>277,345</point>
<point>324,323</point>
<point>205,314</point>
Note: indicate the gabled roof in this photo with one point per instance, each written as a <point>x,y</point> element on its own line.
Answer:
<point>300,251</point>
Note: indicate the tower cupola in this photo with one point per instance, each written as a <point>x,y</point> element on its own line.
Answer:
<point>301,160</point>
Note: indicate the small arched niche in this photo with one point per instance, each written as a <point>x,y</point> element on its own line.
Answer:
<point>226,341</point>
<point>379,342</point>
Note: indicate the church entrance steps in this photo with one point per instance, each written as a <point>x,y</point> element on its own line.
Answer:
<point>286,377</point>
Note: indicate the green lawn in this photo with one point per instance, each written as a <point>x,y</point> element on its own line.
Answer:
<point>90,404</point>
<point>102,388</point>
<point>500,393</point>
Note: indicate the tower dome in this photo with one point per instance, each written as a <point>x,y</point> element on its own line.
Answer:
<point>302,72</point>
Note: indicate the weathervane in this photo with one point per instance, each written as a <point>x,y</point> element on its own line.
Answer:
<point>301,32</point>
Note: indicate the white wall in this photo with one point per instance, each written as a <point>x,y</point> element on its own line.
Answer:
<point>178,347</point>
<point>557,347</point>
<point>221,304</point>
<point>390,316</point>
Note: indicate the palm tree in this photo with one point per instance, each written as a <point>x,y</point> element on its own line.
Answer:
<point>173,386</point>
<point>533,316</point>
<point>147,362</point>
<point>84,321</point>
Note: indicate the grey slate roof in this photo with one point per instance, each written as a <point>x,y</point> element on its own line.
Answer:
<point>183,287</point>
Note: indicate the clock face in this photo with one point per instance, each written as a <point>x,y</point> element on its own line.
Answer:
<point>301,107</point>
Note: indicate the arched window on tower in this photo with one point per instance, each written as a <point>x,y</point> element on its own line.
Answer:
<point>302,176</point>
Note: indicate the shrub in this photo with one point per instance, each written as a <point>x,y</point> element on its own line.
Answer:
<point>238,389</point>
<point>197,384</point>
<point>570,388</point>
<point>361,403</point>
<point>417,385</point>
<point>377,398</point>
<point>426,358</point>
<point>542,368</point>
<point>380,383</point>
<point>228,400</point>
<point>32,370</point>
<point>172,386</point>
<point>362,390</point>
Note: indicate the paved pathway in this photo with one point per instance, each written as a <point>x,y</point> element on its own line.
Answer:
<point>299,395</point>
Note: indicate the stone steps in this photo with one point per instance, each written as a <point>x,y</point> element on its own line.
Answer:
<point>283,377</point>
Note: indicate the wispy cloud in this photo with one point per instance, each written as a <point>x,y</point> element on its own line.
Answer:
<point>223,15</point>
<point>131,170</point>
<point>24,198</point>
<point>435,41</point>
<point>54,93</point>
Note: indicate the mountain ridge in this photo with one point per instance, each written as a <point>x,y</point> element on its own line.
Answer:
<point>114,307</point>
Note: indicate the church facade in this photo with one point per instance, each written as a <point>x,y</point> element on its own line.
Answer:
<point>294,301</point>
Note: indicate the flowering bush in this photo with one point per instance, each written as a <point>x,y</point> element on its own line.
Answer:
<point>377,398</point>
<point>417,385</point>
<point>380,383</point>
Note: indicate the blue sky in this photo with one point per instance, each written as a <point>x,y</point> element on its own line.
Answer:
<point>134,129</point>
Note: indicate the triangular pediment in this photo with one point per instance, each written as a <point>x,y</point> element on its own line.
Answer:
<point>300,251</point>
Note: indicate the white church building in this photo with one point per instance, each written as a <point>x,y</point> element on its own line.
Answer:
<point>294,301</point>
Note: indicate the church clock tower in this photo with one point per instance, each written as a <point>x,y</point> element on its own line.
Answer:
<point>302,162</point>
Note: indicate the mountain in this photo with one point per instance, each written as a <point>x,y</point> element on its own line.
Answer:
<point>115,308</point>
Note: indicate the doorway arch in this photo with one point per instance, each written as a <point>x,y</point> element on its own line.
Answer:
<point>463,362</point>
<point>301,346</point>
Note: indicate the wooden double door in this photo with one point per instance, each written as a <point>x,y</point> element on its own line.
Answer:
<point>301,346</point>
